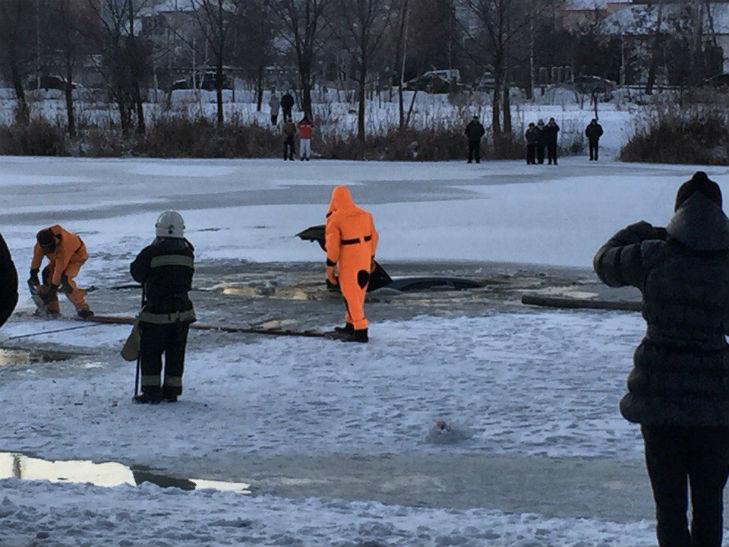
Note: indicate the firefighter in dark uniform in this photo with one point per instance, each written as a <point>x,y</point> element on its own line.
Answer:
<point>165,269</point>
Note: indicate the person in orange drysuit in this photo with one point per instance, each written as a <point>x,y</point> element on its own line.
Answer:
<point>66,253</point>
<point>351,240</point>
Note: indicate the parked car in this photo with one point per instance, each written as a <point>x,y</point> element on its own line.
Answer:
<point>51,82</point>
<point>204,81</point>
<point>436,81</point>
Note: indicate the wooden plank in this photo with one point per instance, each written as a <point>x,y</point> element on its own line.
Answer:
<point>579,303</point>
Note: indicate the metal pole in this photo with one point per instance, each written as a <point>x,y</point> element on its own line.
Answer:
<point>139,355</point>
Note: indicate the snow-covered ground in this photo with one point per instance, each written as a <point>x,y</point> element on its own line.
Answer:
<point>337,442</point>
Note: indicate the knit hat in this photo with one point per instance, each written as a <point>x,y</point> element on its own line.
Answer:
<point>700,182</point>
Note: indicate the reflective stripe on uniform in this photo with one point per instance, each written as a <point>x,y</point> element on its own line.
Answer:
<point>151,380</point>
<point>172,260</point>
<point>173,381</point>
<point>167,318</point>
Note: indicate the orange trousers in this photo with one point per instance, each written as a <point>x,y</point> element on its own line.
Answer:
<point>68,286</point>
<point>353,284</point>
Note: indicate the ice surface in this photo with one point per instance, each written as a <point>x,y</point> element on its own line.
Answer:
<point>533,389</point>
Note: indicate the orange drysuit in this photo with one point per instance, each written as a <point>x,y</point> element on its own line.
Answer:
<point>351,240</point>
<point>64,263</point>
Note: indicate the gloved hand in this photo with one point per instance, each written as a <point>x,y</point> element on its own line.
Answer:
<point>33,281</point>
<point>331,277</point>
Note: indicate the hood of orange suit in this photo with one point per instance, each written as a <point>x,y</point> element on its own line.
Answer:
<point>341,200</point>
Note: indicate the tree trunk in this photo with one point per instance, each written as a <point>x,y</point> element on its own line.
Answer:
<point>133,60</point>
<point>362,100</point>
<point>305,72</point>
<point>23,113</point>
<point>506,111</point>
<point>401,49</point>
<point>259,88</point>
<point>69,94</point>
<point>124,118</point>
<point>496,109</point>
<point>653,68</point>
<point>219,89</point>
<point>139,106</point>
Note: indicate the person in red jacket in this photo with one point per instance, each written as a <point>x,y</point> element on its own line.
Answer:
<point>304,127</point>
<point>66,253</point>
<point>351,241</point>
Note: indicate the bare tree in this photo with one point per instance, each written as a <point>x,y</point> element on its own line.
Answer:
<point>216,20</point>
<point>360,29</point>
<point>125,56</point>
<point>16,29</point>
<point>302,22</point>
<point>402,41</point>
<point>64,31</point>
<point>253,48</point>
<point>502,31</point>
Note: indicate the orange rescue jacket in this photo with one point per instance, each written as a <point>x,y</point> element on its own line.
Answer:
<point>350,232</point>
<point>69,248</point>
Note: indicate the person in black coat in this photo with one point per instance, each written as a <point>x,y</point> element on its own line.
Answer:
<point>532,137</point>
<point>541,141</point>
<point>474,132</point>
<point>287,104</point>
<point>550,139</point>
<point>165,269</point>
<point>678,390</point>
<point>593,132</point>
<point>9,287</point>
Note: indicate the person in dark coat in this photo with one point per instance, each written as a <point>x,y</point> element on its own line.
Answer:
<point>287,104</point>
<point>541,141</point>
<point>474,132</point>
<point>550,139</point>
<point>289,134</point>
<point>678,390</point>
<point>532,137</point>
<point>593,132</point>
<point>165,269</point>
<point>9,287</point>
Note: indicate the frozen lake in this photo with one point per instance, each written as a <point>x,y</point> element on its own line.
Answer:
<point>338,443</point>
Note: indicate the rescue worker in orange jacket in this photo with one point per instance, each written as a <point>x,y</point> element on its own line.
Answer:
<point>351,240</point>
<point>66,253</point>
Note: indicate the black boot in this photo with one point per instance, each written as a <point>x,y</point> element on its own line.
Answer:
<point>148,398</point>
<point>348,328</point>
<point>358,336</point>
<point>169,395</point>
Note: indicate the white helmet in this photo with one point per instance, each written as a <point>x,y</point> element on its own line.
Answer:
<point>170,224</point>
